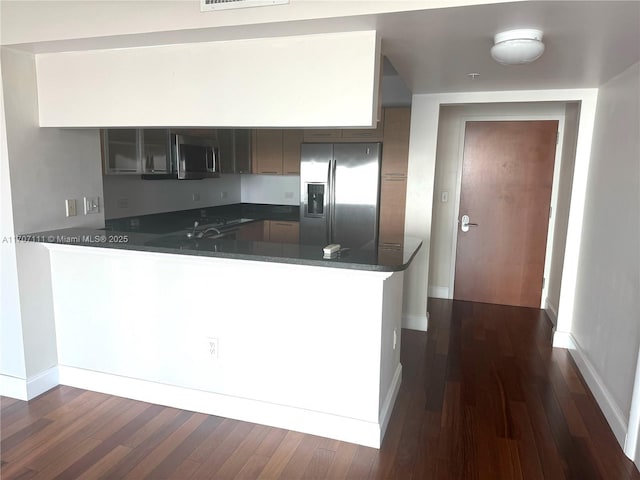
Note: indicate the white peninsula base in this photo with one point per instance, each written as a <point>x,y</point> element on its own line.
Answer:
<point>305,348</point>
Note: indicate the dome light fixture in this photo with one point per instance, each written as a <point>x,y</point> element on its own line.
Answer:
<point>517,47</point>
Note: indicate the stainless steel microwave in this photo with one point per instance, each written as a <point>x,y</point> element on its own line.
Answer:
<point>195,157</point>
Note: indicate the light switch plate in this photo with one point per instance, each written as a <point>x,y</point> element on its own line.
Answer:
<point>70,207</point>
<point>91,205</point>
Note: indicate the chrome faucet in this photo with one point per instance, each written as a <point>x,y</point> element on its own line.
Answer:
<point>208,230</point>
<point>195,234</point>
<point>192,233</point>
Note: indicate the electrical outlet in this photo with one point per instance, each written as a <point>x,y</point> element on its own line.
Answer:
<point>91,205</point>
<point>70,207</point>
<point>195,197</point>
<point>444,197</point>
<point>212,347</point>
<point>223,195</point>
<point>288,194</point>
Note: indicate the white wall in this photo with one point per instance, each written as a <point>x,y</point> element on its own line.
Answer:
<point>47,165</point>
<point>11,346</point>
<point>241,83</point>
<point>330,368</point>
<point>128,195</point>
<point>606,320</point>
<point>271,189</point>
<point>571,121</point>
<point>447,177</point>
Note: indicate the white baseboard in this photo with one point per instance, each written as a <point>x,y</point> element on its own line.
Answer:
<point>390,401</point>
<point>416,322</point>
<point>42,382</point>
<point>605,400</point>
<point>32,387</point>
<point>13,387</point>
<point>436,291</point>
<point>551,311</point>
<point>563,340</point>
<point>322,424</point>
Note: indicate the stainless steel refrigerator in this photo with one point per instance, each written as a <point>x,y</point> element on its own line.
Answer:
<point>339,197</point>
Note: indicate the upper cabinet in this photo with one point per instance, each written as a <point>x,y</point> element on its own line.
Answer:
<point>234,150</point>
<point>136,151</point>
<point>276,151</point>
<point>395,153</point>
<point>329,135</point>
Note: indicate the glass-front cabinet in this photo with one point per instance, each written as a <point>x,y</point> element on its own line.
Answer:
<point>156,151</point>
<point>136,151</point>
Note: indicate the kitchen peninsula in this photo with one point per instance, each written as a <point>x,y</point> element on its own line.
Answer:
<point>265,332</point>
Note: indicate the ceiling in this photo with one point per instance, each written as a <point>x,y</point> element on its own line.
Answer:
<point>433,50</point>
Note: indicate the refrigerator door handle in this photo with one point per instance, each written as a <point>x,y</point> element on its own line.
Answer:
<point>331,200</point>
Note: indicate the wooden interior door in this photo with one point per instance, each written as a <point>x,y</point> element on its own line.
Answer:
<point>507,177</point>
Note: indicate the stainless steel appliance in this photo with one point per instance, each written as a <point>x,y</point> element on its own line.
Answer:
<point>195,157</point>
<point>339,196</point>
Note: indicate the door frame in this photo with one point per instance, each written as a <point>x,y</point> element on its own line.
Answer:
<point>560,117</point>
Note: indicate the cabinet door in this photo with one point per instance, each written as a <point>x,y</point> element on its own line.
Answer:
<point>365,134</point>
<point>322,135</point>
<point>156,157</point>
<point>395,153</point>
<point>291,140</point>
<point>392,210</point>
<point>121,151</point>
<point>242,138</point>
<point>252,231</point>
<point>284,232</point>
<point>268,151</point>
<point>226,150</point>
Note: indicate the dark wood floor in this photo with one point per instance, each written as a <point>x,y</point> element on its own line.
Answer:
<point>483,396</point>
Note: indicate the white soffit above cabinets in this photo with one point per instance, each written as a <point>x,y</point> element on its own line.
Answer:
<point>212,5</point>
<point>300,81</point>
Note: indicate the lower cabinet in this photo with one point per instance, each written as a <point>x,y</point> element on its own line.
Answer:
<point>275,231</point>
<point>281,232</point>
<point>251,231</point>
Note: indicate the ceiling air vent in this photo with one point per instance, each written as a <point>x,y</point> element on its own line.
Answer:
<point>208,5</point>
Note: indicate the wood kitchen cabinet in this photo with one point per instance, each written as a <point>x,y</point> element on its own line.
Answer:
<point>267,151</point>
<point>276,151</point>
<point>322,135</point>
<point>291,141</point>
<point>281,232</point>
<point>346,134</point>
<point>251,231</point>
<point>393,182</point>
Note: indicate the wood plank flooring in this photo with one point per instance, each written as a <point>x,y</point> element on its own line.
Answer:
<point>483,396</point>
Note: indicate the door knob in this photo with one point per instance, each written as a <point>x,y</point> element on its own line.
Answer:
<point>464,223</point>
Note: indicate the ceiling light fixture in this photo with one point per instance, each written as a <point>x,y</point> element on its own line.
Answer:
<point>517,47</point>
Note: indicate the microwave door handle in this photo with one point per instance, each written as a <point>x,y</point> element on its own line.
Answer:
<point>211,163</point>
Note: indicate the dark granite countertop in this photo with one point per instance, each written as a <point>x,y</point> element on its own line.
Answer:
<point>174,221</point>
<point>166,233</point>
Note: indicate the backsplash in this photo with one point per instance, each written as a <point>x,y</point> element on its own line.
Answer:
<point>126,196</point>
<point>271,189</point>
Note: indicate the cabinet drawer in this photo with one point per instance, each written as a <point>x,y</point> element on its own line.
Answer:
<point>284,232</point>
